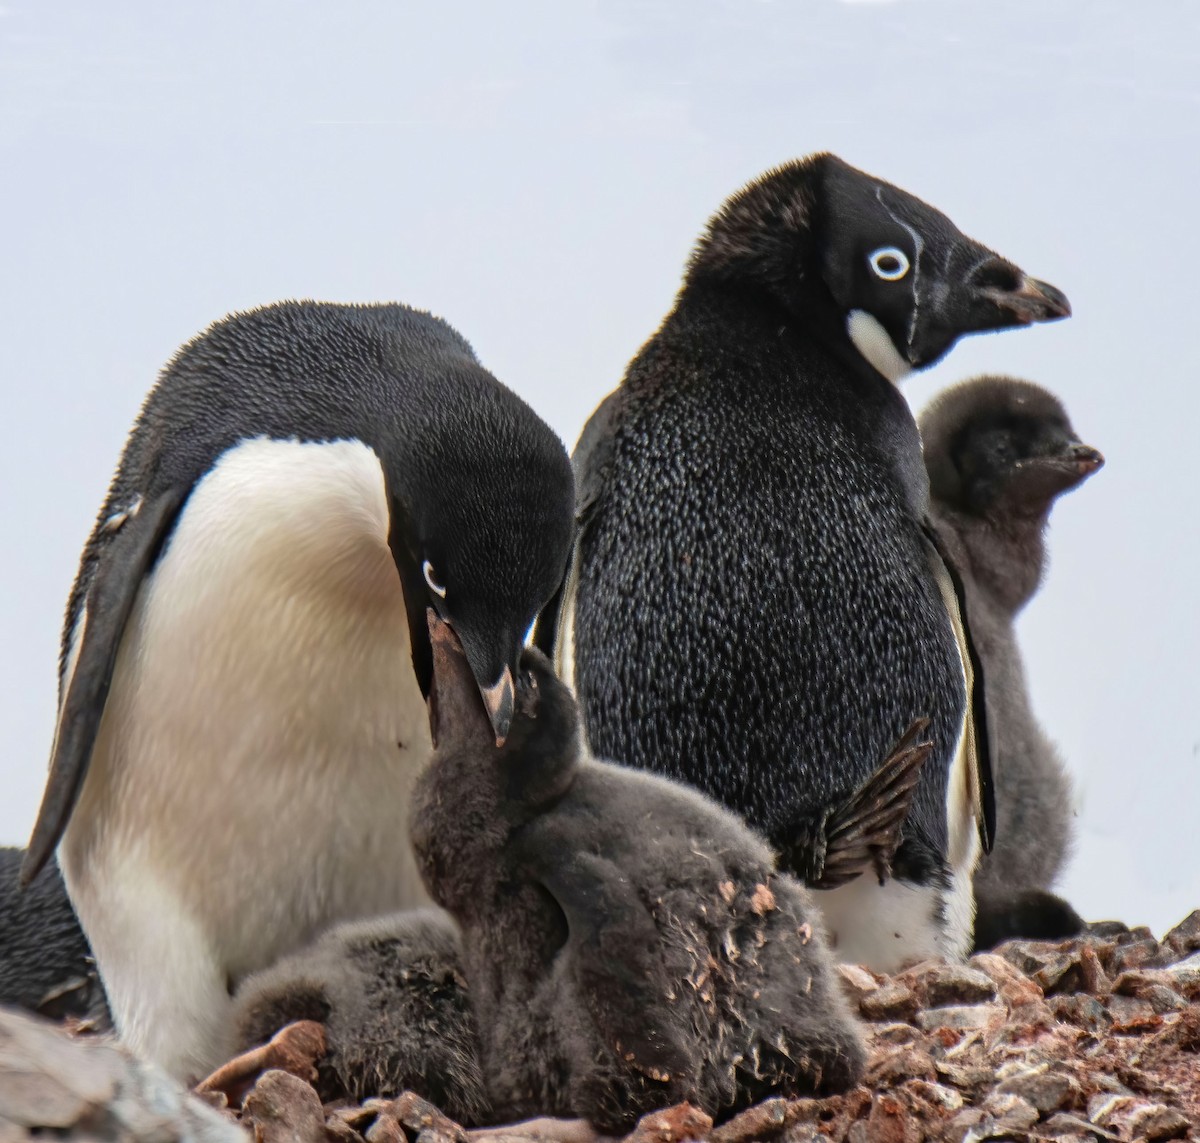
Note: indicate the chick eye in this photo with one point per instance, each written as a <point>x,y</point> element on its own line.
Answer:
<point>889,263</point>
<point>434,586</point>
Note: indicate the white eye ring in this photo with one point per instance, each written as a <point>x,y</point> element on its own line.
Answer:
<point>434,586</point>
<point>889,263</point>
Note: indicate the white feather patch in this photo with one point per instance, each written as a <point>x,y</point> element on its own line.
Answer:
<point>875,344</point>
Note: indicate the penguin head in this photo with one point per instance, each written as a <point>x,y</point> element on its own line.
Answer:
<point>481,534</point>
<point>543,744</point>
<point>1001,446</point>
<point>837,246</point>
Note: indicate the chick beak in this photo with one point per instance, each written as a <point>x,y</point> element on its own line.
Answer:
<point>499,699</point>
<point>1032,301</point>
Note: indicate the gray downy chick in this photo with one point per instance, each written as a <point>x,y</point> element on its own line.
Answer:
<point>46,963</point>
<point>391,995</point>
<point>627,943</point>
<point>999,452</point>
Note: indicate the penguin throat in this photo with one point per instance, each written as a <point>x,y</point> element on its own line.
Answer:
<point>874,343</point>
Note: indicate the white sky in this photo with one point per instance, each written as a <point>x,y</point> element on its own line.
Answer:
<point>536,173</point>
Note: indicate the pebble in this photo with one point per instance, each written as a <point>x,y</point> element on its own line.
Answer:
<point>891,1001</point>
<point>962,1018</point>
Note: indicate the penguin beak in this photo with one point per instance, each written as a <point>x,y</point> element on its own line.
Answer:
<point>499,699</point>
<point>1063,470</point>
<point>991,294</point>
<point>1032,301</point>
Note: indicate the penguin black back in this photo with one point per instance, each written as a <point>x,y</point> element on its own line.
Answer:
<point>758,608</point>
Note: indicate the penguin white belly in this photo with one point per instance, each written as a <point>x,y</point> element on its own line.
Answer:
<point>891,926</point>
<point>251,777</point>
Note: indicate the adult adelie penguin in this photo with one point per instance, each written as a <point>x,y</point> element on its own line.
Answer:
<point>999,452</point>
<point>246,658</point>
<point>756,605</point>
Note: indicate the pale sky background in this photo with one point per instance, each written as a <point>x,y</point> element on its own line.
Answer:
<point>536,173</point>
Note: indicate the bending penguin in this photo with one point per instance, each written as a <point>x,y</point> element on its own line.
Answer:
<point>999,452</point>
<point>757,605</point>
<point>627,944</point>
<point>245,661</point>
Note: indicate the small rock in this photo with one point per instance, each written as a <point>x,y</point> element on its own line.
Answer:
<point>1095,980</point>
<point>1133,1118</point>
<point>891,1001</point>
<point>672,1124</point>
<point>965,1077</point>
<point>1145,953</point>
<point>938,983</point>
<point>856,981</point>
<point>764,1120</point>
<point>1158,1122</point>
<point>1066,1126</point>
<point>1014,988</point>
<point>1185,977</point>
<point>942,1097</point>
<point>1184,937</point>
<point>960,1126</point>
<point>294,1049</point>
<point>891,1121</point>
<point>1010,1111</point>
<point>1106,929</point>
<point>285,1109</point>
<point>1131,1014</point>
<point>960,1018</point>
<point>1083,1011</point>
<point>898,1065</point>
<point>1046,1090</point>
<point>1153,986</point>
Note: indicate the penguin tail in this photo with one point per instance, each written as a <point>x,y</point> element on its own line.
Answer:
<point>865,830</point>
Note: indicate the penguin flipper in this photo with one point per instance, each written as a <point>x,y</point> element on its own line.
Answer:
<point>127,558</point>
<point>590,462</point>
<point>976,734</point>
<point>866,829</point>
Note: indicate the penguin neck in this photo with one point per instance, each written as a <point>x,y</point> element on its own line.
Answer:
<point>1007,554</point>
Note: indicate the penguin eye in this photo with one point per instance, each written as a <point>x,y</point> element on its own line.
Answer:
<point>434,586</point>
<point>889,263</point>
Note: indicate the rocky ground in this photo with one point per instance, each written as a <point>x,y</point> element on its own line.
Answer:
<point>1091,1039</point>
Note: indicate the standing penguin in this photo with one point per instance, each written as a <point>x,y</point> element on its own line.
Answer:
<point>245,661</point>
<point>999,453</point>
<point>756,604</point>
<point>627,943</point>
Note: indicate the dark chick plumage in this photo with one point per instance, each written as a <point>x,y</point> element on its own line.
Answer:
<point>391,995</point>
<point>46,964</point>
<point>627,943</point>
<point>756,606</point>
<point>246,657</point>
<point>999,452</point>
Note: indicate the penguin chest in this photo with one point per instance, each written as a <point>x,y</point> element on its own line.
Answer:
<point>264,726</point>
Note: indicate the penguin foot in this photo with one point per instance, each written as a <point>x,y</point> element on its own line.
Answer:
<point>865,830</point>
<point>1028,914</point>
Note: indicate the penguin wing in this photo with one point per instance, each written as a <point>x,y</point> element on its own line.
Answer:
<point>975,730</point>
<point>616,951</point>
<point>867,828</point>
<point>120,570</point>
<point>555,630</point>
